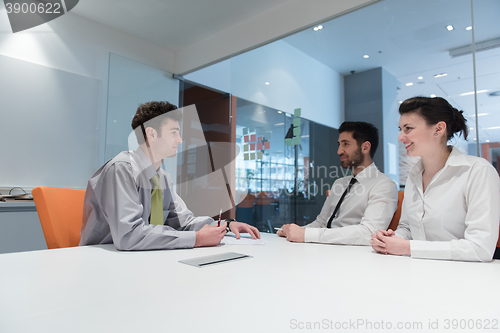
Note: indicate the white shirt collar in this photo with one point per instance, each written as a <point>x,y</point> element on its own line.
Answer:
<point>456,159</point>
<point>367,172</point>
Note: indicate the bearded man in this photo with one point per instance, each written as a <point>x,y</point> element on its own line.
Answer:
<point>359,204</point>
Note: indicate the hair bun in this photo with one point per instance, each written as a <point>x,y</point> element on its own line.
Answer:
<point>437,109</point>
<point>459,122</point>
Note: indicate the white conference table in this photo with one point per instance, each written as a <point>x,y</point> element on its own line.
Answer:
<point>284,288</point>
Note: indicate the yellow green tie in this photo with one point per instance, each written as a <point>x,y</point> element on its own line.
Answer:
<point>156,202</point>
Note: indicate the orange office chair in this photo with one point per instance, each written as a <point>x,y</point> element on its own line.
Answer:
<point>397,215</point>
<point>60,211</point>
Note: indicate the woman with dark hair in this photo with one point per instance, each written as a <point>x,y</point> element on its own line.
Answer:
<point>451,206</point>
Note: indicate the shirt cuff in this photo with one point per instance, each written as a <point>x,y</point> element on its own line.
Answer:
<point>430,250</point>
<point>312,235</point>
<point>186,239</point>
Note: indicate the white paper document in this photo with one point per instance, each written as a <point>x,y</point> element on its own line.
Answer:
<point>245,239</point>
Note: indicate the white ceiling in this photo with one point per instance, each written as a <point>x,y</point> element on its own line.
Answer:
<point>408,38</point>
<point>173,24</point>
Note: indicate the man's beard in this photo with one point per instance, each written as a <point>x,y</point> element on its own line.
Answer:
<point>353,161</point>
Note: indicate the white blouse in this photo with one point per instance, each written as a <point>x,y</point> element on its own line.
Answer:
<point>457,218</point>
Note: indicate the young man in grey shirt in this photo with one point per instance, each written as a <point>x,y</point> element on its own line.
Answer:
<point>131,202</point>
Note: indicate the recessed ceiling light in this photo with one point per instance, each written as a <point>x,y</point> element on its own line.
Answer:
<point>280,111</point>
<point>471,128</point>
<point>420,77</point>
<point>366,56</point>
<point>468,28</point>
<point>472,93</point>
<point>267,83</point>
<point>487,140</point>
<point>449,27</point>
<point>400,102</point>
<point>409,84</point>
<point>495,127</point>
<point>319,27</point>
<point>440,75</point>
<point>483,114</point>
<point>432,95</point>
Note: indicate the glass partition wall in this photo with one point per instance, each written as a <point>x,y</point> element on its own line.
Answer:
<point>261,168</point>
<point>277,171</point>
<point>487,74</point>
<point>428,48</point>
<point>205,171</point>
<point>359,66</point>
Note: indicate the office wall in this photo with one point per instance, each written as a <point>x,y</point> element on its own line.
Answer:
<point>79,46</point>
<point>296,81</point>
<point>20,229</point>
<point>49,125</point>
<point>69,51</point>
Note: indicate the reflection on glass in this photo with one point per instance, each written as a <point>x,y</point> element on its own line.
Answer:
<point>282,189</point>
<point>260,168</point>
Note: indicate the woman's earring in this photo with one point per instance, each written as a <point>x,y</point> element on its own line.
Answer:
<point>435,134</point>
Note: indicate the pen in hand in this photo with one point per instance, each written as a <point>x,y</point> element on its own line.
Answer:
<point>220,214</point>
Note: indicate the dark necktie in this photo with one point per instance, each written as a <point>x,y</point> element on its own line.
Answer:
<point>335,212</point>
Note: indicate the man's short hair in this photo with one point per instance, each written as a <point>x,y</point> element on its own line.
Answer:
<point>154,114</point>
<point>362,132</point>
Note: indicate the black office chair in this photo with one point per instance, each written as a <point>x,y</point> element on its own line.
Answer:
<point>245,210</point>
<point>265,212</point>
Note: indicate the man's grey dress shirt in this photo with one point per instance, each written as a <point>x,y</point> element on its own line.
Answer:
<point>117,207</point>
